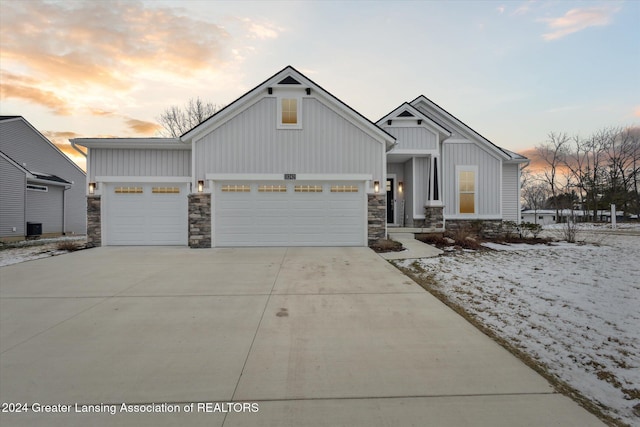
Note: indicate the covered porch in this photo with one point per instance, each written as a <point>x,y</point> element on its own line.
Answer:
<point>414,193</point>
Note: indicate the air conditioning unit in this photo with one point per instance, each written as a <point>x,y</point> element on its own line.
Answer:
<point>34,228</point>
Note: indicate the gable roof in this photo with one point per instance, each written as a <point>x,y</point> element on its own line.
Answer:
<point>286,76</point>
<point>501,152</point>
<point>406,110</point>
<point>4,119</point>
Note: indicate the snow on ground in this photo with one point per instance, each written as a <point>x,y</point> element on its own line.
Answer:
<point>28,250</point>
<point>573,308</point>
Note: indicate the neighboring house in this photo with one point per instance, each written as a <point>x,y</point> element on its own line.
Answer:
<point>42,192</point>
<point>289,164</point>
<point>548,216</point>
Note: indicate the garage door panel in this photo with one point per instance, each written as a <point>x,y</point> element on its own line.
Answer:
<point>291,218</point>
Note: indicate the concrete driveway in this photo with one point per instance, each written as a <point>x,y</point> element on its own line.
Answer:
<point>312,336</point>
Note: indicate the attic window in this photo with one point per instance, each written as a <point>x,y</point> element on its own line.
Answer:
<point>289,112</point>
<point>405,114</point>
<point>289,81</point>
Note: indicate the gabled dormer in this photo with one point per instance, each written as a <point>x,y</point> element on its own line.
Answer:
<point>414,131</point>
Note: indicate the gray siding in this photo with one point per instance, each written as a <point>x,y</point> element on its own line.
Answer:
<point>12,188</point>
<point>488,179</point>
<point>46,208</point>
<point>251,143</point>
<point>138,162</point>
<point>510,193</point>
<point>413,138</point>
<point>20,142</point>
<point>421,178</point>
<point>408,173</point>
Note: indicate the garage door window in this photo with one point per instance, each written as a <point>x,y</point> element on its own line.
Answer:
<point>165,190</point>
<point>236,188</point>
<point>344,188</point>
<point>128,190</point>
<point>308,188</point>
<point>272,189</point>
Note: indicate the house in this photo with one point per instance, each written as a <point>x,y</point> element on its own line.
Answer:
<point>289,164</point>
<point>42,192</point>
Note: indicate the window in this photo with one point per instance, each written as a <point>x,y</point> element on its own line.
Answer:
<point>289,111</point>
<point>308,188</point>
<point>128,190</point>
<point>467,190</point>
<point>344,188</point>
<point>272,189</point>
<point>236,188</point>
<point>165,190</point>
<point>37,187</point>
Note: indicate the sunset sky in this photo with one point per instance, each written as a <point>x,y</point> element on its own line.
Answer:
<point>512,70</point>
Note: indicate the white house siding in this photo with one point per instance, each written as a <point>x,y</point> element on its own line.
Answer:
<point>12,189</point>
<point>421,180</point>
<point>46,208</point>
<point>510,192</point>
<point>138,162</point>
<point>24,145</point>
<point>408,190</point>
<point>488,179</point>
<point>413,138</point>
<point>251,143</point>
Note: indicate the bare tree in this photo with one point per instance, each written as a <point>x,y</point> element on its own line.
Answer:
<point>535,195</point>
<point>177,120</point>
<point>554,153</point>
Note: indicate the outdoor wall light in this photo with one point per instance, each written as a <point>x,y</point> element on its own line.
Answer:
<point>376,186</point>
<point>200,186</point>
<point>92,188</point>
<point>400,187</point>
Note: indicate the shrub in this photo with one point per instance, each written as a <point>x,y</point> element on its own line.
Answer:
<point>68,246</point>
<point>387,245</point>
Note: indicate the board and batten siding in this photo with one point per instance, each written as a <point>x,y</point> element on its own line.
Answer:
<point>510,192</point>
<point>488,179</point>
<point>326,144</point>
<point>413,138</point>
<point>421,183</point>
<point>138,162</point>
<point>46,208</point>
<point>408,190</point>
<point>12,197</point>
<point>20,142</point>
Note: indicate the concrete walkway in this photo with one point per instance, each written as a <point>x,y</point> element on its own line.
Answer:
<point>311,336</point>
<point>413,248</point>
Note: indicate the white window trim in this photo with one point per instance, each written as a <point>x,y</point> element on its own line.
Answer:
<point>298,99</point>
<point>467,168</point>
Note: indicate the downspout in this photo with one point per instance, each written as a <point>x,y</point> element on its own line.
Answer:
<point>64,209</point>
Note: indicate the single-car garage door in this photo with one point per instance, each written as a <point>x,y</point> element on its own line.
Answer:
<point>289,214</point>
<point>145,213</point>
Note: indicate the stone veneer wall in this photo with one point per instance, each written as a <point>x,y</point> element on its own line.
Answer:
<point>200,220</point>
<point>376,217</point>
<point>94,222</point>
<point>490,228</point>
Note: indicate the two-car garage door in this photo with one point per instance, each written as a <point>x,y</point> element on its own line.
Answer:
<point>291,213</point>
<point>145,214</point>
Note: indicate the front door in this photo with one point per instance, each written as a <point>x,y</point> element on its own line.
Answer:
<point>390,202</point>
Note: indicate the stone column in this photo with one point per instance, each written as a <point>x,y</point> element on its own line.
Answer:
<point>94,222</point>
<point>376,217</point>
<point>200,220</point>
<point>434,217</point>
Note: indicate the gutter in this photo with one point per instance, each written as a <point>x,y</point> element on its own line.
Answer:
<point>73,144</point>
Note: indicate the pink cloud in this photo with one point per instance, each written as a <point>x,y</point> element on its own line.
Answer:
<point>577,20</point>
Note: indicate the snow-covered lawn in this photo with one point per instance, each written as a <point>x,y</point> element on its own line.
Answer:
<point>573,308</point>
<point>34,249</point>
